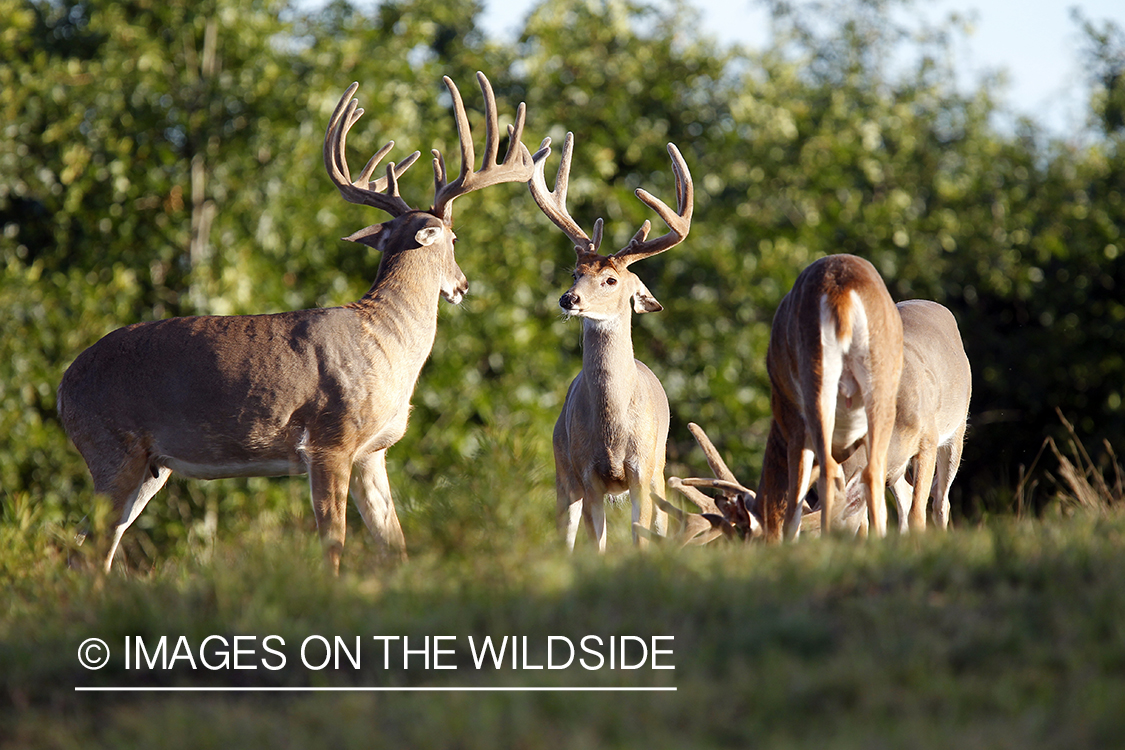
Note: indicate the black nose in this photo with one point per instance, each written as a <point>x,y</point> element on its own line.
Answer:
<point>568,300</point>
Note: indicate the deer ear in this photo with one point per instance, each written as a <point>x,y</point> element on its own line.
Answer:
<point>427,236</point>
<point>643,301</point>
<point>373,236</point>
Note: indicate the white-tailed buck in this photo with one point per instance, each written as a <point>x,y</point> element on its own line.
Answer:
<point>312,391</point>
<point>931,413</point>
<point>834,361</point>
<point>612,433</point>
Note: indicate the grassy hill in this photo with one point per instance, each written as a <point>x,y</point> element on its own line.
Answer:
<point>1008,634</point>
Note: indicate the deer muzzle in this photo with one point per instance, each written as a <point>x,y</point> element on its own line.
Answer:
<point>569,303</point>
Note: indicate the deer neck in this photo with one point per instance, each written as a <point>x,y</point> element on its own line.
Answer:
<point>403,302</point>
<point>608,367</point>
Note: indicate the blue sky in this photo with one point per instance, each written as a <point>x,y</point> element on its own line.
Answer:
<point>1034,42</point>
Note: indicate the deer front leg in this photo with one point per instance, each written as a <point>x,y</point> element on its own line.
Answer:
<point>640,498</point>
<point>328,481</point>
<point>568,509</point>
<point>646,512</point>
<point>593,512</point>
<point>659,515</point>
<point>371,492</point>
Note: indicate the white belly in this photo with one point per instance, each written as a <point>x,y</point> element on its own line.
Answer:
<point>265,468</point>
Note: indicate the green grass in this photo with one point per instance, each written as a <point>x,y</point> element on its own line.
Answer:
<point>1006,635</point>
<point>1010,633</point>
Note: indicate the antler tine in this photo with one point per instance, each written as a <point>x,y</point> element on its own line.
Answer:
<point>714,459</point>
<point>362,191</point>
<point>670,509</point>
<point>710,534</point>
<point>678,221</point>
<point>697,498</point>
<point>553,203</point>
<point>695,528</point>
<point>516,167</point>
<point>724,486</point>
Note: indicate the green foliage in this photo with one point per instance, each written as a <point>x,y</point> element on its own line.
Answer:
<point>165,158</point>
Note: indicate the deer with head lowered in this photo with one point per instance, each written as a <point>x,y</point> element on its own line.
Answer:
<point>612,433</point>
<point>317,391</point>
<point>834,362</point>
<point>931,414</point>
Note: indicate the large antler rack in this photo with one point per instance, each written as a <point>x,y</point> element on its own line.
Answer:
<point>729,514</point>
<point>516,167</point>
<point>732,512</point>
<point>553,204</point>
<point>678,221</point>
<point>383,193</point>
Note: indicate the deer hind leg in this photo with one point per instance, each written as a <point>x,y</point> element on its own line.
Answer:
<point>878,440</point>
<point>371,491</point>
<point>948,460</point>
<point>149,485</point>
<point>825,484</point>
<point>129,480</point>
<point>819,445</point>
<point>328,481</point>
<point>801,461</point>
<point>821,423</point>
<point>924,464</point>
<point>904,501</point>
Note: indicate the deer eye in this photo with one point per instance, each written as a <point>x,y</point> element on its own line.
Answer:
<point>612,281</point>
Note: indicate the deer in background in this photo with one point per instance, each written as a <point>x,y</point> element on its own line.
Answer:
<point>931,414</point>
<point>611,435</point>
<point>834,362</point>
<point>313,391</point>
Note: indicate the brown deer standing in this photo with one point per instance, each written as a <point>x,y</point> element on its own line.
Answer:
<point>311,391</point>
<point>834,361</point>
<point>931,415</point>
<point>611,435</point>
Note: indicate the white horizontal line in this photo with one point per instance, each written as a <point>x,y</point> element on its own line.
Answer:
<point>451,689</point>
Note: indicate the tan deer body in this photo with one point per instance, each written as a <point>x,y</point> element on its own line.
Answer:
<point>613,429</point>
<point>834,360</point>
<point>311,391</point>
<point>611,435</point>
<point>931,415</point>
